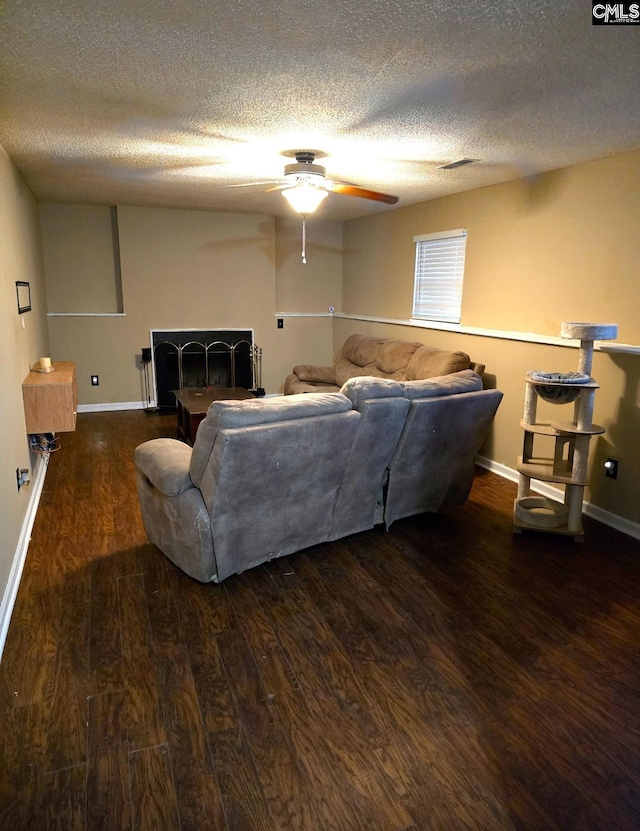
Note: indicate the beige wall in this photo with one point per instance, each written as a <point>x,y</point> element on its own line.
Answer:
<point>20,347</point>
<point>307,289</point>
<point>198,269</point>
<point>81,265</point>
<point>561,248</point>
<point>316,286</point>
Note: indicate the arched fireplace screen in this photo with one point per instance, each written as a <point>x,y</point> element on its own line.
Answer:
<point>214,358</point>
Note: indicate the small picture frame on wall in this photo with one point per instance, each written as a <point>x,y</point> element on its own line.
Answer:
<point>23,292</point>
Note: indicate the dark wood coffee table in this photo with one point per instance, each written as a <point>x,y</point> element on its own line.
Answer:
<point>194,403</point>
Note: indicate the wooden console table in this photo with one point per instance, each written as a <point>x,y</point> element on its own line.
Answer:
<point>194,403</point>
<point>51,399</point>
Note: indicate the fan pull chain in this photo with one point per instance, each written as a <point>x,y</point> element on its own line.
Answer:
<point>304,239</point>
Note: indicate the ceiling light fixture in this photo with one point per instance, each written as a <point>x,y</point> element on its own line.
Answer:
<point>305,196</point>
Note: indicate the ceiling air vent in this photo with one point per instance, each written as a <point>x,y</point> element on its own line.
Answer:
<point>457,163</point>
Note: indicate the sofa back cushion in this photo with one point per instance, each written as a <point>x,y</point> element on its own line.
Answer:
<point>367,387</point>
<point>251,412</point>
<point>361,350</point>
<point>378,357</point>
<point>429,362</point>
<point>394,355</point>
<point>465,381</point>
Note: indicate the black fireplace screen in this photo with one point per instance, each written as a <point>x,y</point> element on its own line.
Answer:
<point>214,358</point>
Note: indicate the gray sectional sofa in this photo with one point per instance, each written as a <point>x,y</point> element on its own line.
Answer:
<point>399,360</point>
<point>268,477</point>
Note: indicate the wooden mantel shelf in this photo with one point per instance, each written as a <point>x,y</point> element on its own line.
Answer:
<point>51,399</point>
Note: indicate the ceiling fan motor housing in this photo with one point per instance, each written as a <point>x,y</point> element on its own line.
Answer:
<point>305,169</point>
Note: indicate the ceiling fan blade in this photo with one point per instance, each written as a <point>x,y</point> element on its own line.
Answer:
<point>363,193</point>
<point>253,184</point>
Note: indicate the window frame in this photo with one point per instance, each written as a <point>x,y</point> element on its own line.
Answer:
<point>419,277</point>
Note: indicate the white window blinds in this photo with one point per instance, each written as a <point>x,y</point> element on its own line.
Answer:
<point>437,293</point>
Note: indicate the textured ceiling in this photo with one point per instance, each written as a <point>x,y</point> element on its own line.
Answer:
<point>170,102</point>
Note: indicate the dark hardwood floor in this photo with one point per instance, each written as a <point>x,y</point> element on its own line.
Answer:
<point>446,675</point>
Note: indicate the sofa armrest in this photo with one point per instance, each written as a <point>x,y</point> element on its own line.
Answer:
<point>319,374</point>
<point>165,464</point>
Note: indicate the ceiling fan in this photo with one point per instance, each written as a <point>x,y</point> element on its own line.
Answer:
<point>306,184</point>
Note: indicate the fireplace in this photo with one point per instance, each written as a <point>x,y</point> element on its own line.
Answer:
<point>203,358</point>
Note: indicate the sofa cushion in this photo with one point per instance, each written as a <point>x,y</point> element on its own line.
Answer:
<point>165,463</point>
<point>428,362</point>
<point>319,374</point>
<point>366,387</point>
<point>345,370</point>
<point>294,385</point>
<point>465,381</point>
<point>394,355</point>
<point>278,408</point>
<point>362,350</point>
<point>247,413</point>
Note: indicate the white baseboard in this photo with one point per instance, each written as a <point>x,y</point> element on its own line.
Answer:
<point>631,529</point>
<point>11,590</point>
<point>114,405</point>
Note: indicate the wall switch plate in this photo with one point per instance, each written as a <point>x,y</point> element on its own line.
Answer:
<point>280,323</point>
<point>95,380</point>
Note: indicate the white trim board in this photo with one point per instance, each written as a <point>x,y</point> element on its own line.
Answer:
<point>631,529</point>
<point>500,334</point>
<point>114,405</point>
<point>11,590</point>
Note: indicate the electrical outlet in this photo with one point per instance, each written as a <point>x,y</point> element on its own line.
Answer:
<point>280,323</point>
<point>22,476</point>
<point>611,468</point>
<point>95,380</point>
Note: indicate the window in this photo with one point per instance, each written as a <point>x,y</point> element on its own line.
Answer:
<point>437,292</point>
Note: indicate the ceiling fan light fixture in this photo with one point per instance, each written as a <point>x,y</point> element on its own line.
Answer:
<point>304,197</point>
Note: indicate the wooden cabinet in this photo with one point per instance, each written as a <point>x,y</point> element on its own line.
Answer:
<point>51,399</point>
